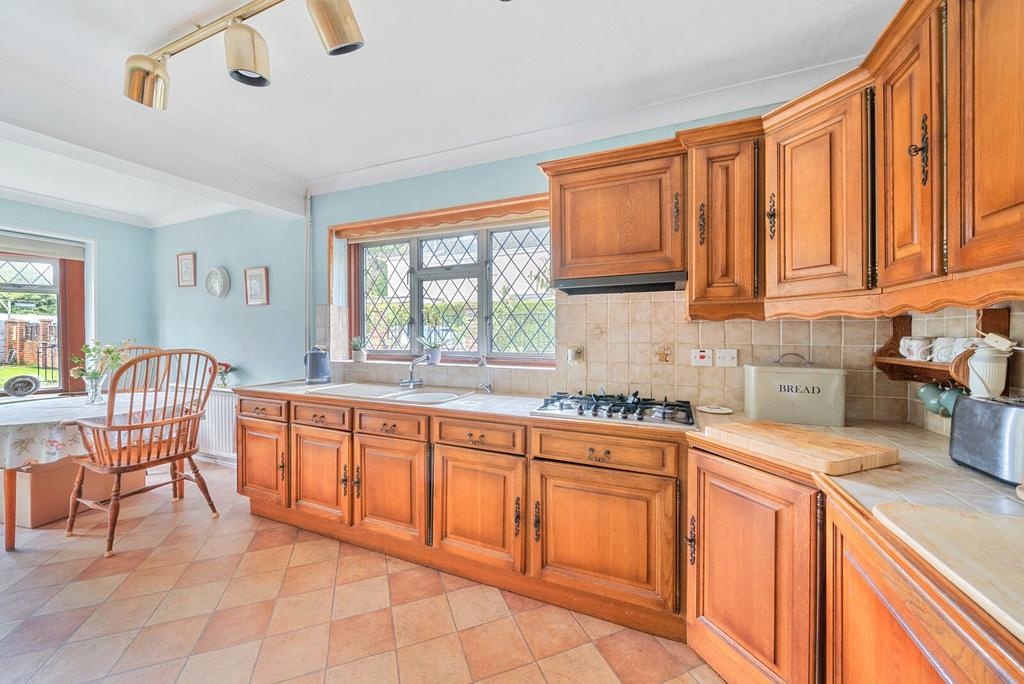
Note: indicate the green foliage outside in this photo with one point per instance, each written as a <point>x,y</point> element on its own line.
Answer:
<point>8,372</point>
<point>14,303</point>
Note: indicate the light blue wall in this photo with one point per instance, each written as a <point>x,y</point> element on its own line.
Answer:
<point>118,267</point>
<point>265,342</point>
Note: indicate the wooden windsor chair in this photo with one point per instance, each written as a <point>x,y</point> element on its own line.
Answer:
<point>163,395</point>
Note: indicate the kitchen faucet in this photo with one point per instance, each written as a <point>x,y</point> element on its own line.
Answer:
<point>412,381</point>
<point>485,386</point>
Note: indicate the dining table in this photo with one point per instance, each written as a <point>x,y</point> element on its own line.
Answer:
<point>41,430</point>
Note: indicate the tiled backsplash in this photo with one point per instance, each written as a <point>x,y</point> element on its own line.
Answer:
<point>642,342</point>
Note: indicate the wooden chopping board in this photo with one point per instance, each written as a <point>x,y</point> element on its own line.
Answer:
<point>813,450</point>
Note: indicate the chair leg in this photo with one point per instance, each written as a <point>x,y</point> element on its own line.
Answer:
<point>76,494</point>
<point>112,511</point>
<point>201,483</point>
<point>174,485</point>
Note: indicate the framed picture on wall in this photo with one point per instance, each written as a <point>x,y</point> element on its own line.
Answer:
<point>257,286</point>
<point>187,269</point>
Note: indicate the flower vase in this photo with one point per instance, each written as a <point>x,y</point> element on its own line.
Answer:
<point>93,390</point>
<point>222,380</point>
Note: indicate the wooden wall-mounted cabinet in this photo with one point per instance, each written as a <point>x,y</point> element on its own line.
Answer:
<point>262,452</point>
<point>724,219</point>
<point>617,212</point>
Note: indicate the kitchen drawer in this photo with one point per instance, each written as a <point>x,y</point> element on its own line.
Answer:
<point>510,439</point>
<point>391,424</point>
<point>268,409</point>
<point>644,455</point>
<point>318,415</point>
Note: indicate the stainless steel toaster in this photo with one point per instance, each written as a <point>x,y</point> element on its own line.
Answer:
<point>988,435</point>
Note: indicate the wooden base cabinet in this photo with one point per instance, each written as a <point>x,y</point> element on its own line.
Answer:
<point>262,448</point>
<point>605,532</point>
<point>321,467</point>
<point>479,505</point>
<point>751,568</point>
<point>389,487</point>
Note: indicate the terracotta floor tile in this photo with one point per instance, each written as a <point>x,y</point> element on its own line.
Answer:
<point>398,565</point>
<point>209,570</point>
<point>112,617</point>
<point>159,643</point>
<point>527,674</point>
<point>81,594</point>
<point>356,637</point>
<point>422,620</point>
<point>170,554</point>
<point>517,603</point>
<point>638,658</point>
<point>309,678</point>
<point>429,662</point>
<point>120,563</point>
<point>235,626</point>
<point>227,666</point>
<point>476,605</point>
<point>225,546</point>
<point>188,602</point>
<point>303,578</point>
<point>314,552</point>
<point>550,630</point>
<point>251,589</point>
<point>453,582</point>
<point>413,585</point>
<point>705,675</point>
<point>596,627</point>
<point>50,574</point>
<point>360,597</point>
<point>377,669</point>
<point>265,560</point>
<point>494,647</point>
<point>162,673</point>
<point>581,664</point>
<point>43,631</point>
<point>360,567</point>
<point>301,610</point>
<point>20,668</point>
<point>278,536</point>
<point>149,581</point>
<point>292,654</point>
<point>351,550</point>
<point>681,652</point>
<point>82,661</point>
<point>21,604</point>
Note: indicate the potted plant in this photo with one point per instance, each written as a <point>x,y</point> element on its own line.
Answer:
<point>358,350</point>
<point>224,369</point>
<point>96,362</point>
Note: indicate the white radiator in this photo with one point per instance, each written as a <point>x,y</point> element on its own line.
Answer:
<point>217,430</point>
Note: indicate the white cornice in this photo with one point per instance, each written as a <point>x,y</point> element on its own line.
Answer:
<point>16,195</point>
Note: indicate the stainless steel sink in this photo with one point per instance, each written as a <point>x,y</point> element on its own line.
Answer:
<point>420,395</point>
<point>429,395</point>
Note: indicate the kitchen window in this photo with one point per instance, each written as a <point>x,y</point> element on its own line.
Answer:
<point>480,292</point>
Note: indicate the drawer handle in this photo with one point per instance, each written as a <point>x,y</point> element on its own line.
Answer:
<point>280,466</point>
<point>388,430</point>
<point>356,482</point>
<point>536,521</point>
<point>344,480</point>
<point>691,541</point>
<point>516,517</point>
<point>592,455</point>
<point>478,441</point>
<point>259,411</point>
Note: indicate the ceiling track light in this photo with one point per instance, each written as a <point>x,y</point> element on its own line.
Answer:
<point>146,79</point>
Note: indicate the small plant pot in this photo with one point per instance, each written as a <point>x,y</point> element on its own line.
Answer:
<point>435,356</point>
<point>359,355</point>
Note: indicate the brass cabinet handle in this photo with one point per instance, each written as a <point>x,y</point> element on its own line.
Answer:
<point>479,440</point>
<point>482,438</point>
<point>701,224</point>
<point>280,466</point>
<point>344,480</point>
<point>389,430</point>
<point>922,149</point>
<point>516,517</point>
<point>691,541</point>
<point>356,482</point>
<point>675,213</point>
<point>771,214</point>
<point>536,521</point>
<point>592,455</point>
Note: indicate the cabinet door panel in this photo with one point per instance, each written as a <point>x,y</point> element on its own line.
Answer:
<point>321,472</point>
<point>479,510</point>
<point>815,170</point>
<point>750,577</point>
<point>262,453</point>
<point>908,193</point>
<point>986,134</point>
<point>605,532</point>
<point>389,486</point>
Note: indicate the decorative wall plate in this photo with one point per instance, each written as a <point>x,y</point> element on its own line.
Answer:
<point>21,386</point>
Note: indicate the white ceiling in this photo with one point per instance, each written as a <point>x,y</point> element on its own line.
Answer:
<point>440,84</point>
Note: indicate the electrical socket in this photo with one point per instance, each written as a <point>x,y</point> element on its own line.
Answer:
<point>701,357</point>
<point>725,358</point>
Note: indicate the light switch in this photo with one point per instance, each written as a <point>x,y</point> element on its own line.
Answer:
<point>725,358</point>
<point>701,357</point>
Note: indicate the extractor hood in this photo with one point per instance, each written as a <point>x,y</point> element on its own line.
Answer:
<point>643,282</point>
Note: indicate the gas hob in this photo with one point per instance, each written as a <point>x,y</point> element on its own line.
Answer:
<point>618,408</point>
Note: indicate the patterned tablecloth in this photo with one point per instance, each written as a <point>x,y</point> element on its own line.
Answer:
<point>30,430</point>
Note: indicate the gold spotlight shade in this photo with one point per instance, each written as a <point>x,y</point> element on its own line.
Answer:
<point>336,24</point>
<point>247,56</point>
<point>146,81</point>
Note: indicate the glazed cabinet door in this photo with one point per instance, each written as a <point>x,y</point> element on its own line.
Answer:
<point>389,486</point>
<point>908,151</point>
<point>986,133</point>
<point>605,532</point>
<point>321,472</point>
<point>815,190</point>
<point>723,221</point>
<point>622,219</point>
<point>751,565</point>
<point>262,448</point>
<point>478,505</point>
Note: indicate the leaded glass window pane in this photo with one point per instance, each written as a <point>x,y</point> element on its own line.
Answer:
<point>386,297</point>
<point>522,301</point>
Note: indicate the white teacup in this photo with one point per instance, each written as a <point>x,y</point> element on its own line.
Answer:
<point>964,343</point>
<point>943,349</point>
<point>916,348</point>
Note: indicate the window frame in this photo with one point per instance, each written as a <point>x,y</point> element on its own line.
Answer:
<point>481,270</point>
